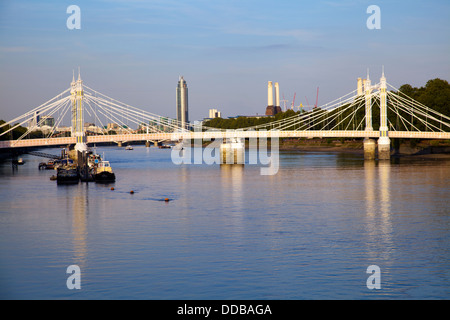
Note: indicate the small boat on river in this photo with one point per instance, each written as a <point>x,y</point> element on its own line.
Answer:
<point>103,172</point>
<point>18,162</point>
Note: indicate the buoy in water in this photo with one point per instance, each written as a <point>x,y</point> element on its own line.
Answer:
<point>166,199</point>
<point>131,191</point>
<point>112,188</point>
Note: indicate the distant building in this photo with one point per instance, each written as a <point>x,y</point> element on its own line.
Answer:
<point>92,128</point>
<point>182,103</point>
<point>112,126</point>
<point>164,124</point>
<point>213,113</point>
<point>35,121</point>
<point>47,121</point>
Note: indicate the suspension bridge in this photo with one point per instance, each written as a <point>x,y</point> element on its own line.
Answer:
<point>350,116</point>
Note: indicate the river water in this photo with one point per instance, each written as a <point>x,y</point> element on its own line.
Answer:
<point>308,232</point>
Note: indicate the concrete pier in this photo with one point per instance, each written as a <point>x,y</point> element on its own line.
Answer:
<point>369,149</point>
<point>232,152</point>
<point>384,148</point>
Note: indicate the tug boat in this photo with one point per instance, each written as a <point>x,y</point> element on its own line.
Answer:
<point>103,172</point>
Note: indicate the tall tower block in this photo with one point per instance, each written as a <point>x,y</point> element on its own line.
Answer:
<point>182,103</point>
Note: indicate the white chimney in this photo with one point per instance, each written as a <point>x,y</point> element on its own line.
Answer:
<point>277,95</point>
<point>270,94</point>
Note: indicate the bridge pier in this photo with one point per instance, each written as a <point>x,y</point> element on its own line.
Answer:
<point>369,149</point>
<point>384,148</point>
<point>147,144</point>
<point>119,144</point>
<point>232,151</point>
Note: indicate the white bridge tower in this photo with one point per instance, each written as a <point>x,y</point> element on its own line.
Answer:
<point>77,113</point>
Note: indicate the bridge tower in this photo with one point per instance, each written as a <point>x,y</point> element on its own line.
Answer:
<point>384,143</point>
<point>77,113</point>
<point>369,144</point>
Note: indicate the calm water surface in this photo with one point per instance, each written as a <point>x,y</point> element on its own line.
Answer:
<point>308,232</point>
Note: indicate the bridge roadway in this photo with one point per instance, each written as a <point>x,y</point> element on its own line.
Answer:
<point>220,134</point>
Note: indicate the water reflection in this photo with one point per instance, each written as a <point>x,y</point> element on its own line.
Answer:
<point>369,172</point>
<point>384,169</point>
<point>378,209</point>
<point>77,203</point>
<point>183,177</point>
<point>232,176</point>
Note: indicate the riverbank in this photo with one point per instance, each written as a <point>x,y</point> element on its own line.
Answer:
<point>428,149</point>
<point>319,145</point>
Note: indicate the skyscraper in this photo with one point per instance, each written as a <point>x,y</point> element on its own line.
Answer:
<point>182,103</point>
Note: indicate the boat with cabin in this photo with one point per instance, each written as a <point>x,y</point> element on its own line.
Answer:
<point>103,172</point>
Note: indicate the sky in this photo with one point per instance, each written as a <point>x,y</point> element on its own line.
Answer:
<point>134,51</point>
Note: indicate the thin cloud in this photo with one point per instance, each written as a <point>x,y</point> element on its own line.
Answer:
<point>301,34</point>
<point>15,49</point>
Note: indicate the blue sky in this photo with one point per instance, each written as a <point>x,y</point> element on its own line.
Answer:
<point>134,51</point>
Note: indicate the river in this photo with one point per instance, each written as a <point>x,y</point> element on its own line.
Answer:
<point>308,232</point>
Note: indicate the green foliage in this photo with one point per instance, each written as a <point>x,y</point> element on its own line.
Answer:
<point>434,95</point>
<point>18,132</point>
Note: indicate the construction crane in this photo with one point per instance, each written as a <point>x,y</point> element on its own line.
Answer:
<point>317,99</point>
<point>293,101</point>
<point>307,101</point>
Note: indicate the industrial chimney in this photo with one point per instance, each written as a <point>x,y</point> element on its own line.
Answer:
<point>270,110</point>
<point>270,94</point>
<point>277,98</point>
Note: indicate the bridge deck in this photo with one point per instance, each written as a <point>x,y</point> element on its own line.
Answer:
<point>221,134</point>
